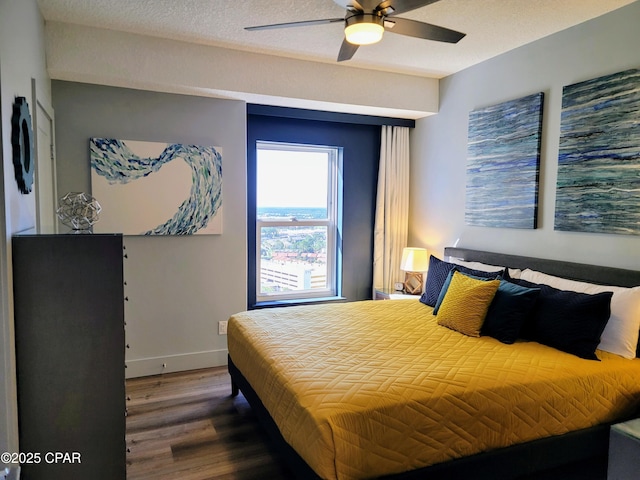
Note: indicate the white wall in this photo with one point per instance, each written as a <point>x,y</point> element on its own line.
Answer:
<point>21,59</point>
<point>604,45</point>
<point>178,287</point>
<point>107,57</point>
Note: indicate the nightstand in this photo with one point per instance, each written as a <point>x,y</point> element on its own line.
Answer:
<point>383,294</point>
<point>624,450</point>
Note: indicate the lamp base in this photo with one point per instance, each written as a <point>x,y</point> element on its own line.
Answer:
<point>413,283</point>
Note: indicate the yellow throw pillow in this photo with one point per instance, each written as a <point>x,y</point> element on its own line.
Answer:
<point>465,304</point>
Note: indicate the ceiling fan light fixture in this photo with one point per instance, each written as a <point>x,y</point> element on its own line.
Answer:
<point>364,29</point>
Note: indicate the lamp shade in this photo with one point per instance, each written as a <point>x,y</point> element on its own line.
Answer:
<point>414,260</point>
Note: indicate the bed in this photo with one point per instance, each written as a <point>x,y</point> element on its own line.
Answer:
<point>384,389</point>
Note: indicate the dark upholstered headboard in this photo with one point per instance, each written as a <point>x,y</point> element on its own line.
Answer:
<point>574,271</point>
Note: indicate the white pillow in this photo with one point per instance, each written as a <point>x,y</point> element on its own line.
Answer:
<point>515,272</point>
<point>485,267</point>
<point>620,335</point>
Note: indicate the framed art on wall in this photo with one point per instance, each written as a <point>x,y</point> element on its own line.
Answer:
<point>598,186</point>
<point>151,188</point>
<point>503,164</point>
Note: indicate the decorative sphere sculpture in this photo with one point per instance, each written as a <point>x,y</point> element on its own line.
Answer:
<point>78,210</point>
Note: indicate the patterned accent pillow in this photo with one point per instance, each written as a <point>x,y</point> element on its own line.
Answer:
<point>437,276</point>
<point>465,304</point>
<point>445,287</point>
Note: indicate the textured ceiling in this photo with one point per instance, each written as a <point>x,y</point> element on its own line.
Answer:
<point>492,27</point>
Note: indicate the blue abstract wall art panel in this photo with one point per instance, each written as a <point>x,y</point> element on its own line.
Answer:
<point>150,188</point>
<point>598,186</point>
<point>503,164</point>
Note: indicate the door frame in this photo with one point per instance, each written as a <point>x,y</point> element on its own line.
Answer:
<point>39,103</point>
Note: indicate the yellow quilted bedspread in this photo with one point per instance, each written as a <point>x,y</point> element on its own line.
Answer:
<point>370,388</point>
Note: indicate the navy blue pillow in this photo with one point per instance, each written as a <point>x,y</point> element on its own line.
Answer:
<point>437,276</point>
<point>509,310</point>
<point>569,321</point>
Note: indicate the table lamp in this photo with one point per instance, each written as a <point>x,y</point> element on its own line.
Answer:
<point>414,262</point>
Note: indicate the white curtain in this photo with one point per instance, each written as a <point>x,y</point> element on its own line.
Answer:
<point>392,207</point>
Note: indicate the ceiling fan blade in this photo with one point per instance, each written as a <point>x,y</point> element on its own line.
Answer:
<point>304,23</point>
<point>413,28</point>
<point>401,6</point>
<point>347,50</point>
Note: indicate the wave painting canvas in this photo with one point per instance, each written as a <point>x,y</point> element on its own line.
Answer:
<point>598,186</point>
<point>503,164</point>
<point>151,188</point>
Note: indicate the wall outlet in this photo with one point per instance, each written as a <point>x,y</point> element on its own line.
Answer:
<point>222,327</point>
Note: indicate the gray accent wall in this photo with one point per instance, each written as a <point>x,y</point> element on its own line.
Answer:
<point>178,287</point>
<point>605,45</point>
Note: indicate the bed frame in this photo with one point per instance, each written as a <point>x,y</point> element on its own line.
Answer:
<point>505,463</point>
<point>574,271</point>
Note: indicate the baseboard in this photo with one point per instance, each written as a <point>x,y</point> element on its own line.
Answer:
<point>144,367</point>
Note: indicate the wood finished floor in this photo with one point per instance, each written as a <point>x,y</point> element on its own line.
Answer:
<point>187,426</point>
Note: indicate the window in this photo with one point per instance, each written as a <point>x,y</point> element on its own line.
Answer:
<point>357,138</point>
<point>297,207</point>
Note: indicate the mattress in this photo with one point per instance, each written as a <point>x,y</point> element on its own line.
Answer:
<point>371,388</point>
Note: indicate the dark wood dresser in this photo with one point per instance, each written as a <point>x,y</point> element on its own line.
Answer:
<point>69,330</point>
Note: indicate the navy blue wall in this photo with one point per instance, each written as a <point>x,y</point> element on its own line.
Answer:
<point>361,153</point>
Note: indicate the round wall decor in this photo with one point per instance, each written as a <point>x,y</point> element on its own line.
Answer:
<point>22,143</point>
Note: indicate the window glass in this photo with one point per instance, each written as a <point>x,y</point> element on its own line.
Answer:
<point>292,183</point>
<point>295,221</point>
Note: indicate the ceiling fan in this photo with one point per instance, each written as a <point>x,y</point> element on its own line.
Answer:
<point>366,20</point>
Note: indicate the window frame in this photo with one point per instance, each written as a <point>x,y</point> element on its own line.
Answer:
<point>331,222</point>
